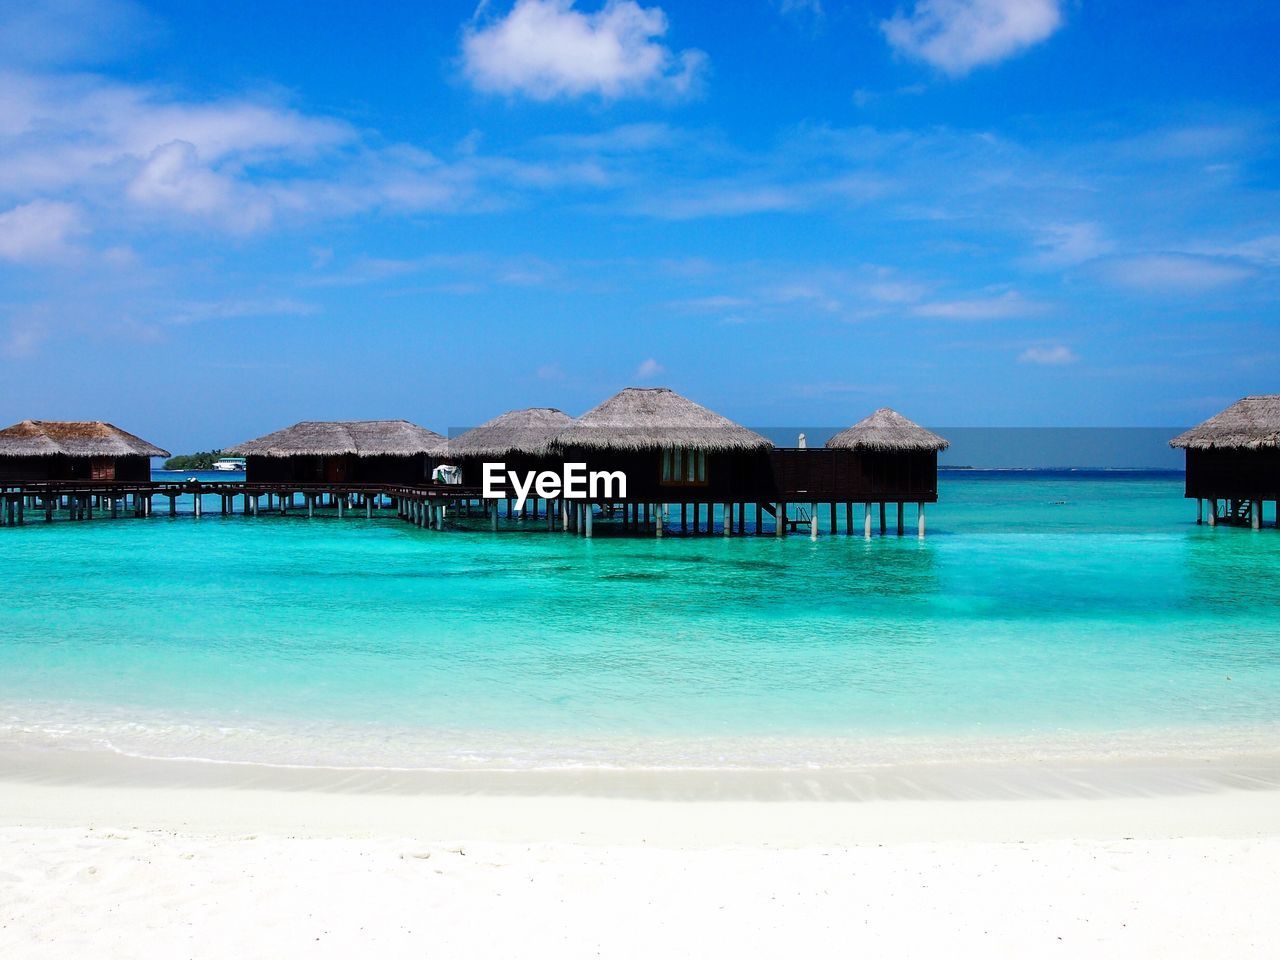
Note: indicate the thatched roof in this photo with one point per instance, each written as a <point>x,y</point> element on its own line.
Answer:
<point>644,418</point>
<point>517,431</point>
<point>73,438</point>
<point>332,438</point>
<point>887,430</point>
<point>1251,423</point>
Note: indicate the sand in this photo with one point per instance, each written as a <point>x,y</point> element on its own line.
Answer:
<point>226,864</point>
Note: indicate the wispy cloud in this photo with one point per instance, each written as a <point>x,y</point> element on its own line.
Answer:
<point>234,309</point>
<point>1056,355</point>
<point>648,369</point>
<point>1069,244</point>
<point>958,35</point>
<point>546,49</point>
<point>1171,274</point>
<point>1006,306</point>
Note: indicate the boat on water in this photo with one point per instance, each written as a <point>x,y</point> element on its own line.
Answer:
<point>229,464</point>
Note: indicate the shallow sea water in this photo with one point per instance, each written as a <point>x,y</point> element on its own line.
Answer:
<point>1043,614</point>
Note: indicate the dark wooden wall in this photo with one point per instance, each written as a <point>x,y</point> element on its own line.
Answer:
<point>813,475</point>
<point>131,469</point>
<point>1234,474</point>
<point>342,469</point>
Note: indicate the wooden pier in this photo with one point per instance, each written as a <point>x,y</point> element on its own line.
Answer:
<point>432,506</point>
<point>20,502</point>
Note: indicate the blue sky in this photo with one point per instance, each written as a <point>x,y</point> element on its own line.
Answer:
<point>981,212</point>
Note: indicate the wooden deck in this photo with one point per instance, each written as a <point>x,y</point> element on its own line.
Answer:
<point>85,499</point>
<point>431,506</point>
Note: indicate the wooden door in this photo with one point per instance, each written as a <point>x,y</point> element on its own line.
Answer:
<point>335,470</point>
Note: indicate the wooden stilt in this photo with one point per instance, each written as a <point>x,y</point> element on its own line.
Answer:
<point>659,519</point>
<point>780,521</point>
<point>1199,510</point>
<point>813,521</point>
<point>684,518</point>
<point>590,514</point>
<point>920,518</point>
<point>1256,515</point>
<point>866,521</point>
<point>759,519</point>
<point>901,506</point>
<point>1213,512</point>
<point>883,526</point>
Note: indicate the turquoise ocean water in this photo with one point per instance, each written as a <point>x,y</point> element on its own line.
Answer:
<point>1044,612</point>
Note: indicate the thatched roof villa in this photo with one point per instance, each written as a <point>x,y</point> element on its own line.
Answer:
<point>343,451</point>
<point>887,458</point>
<point>671,449</point>
<point>655,418</point>
<point>645,450</point>
<point>1233,461</point>
<point>515,432</point>
<point>887,431</point>
<point>518,438</point>
<point>36,450</point>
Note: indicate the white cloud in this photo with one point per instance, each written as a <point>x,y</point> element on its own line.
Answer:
<point>1263,250</point>
<point>545,49</point>
<point>39,231</point>
<point>203,311</point>
<point>1068,244</point>
<point>109,142</point>
<point>1003,307</point>
<point>1172,273</point>
<point>173,178</point>
<point>957,35</point>
<point>649,369</point>
<point>1054,356</point>
<point>805,8</point>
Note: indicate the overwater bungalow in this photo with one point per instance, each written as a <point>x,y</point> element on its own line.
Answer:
<point>343,451</point>
<point>518,438</point>
<point>885,458</point>
<point>671,450</point>
<point>73,450</point>
<point>676,452</point>
<point>1233,462</point>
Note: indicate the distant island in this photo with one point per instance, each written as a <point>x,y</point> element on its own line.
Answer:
<point>193,461</point>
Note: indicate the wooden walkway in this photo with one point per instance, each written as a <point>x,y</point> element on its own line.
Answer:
<point>87,499</point>
<point>429,506</point>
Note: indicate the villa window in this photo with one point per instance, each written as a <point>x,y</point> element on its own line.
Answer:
<point>683,467</point>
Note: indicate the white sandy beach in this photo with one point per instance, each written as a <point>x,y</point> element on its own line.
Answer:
<point>240,870</point>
